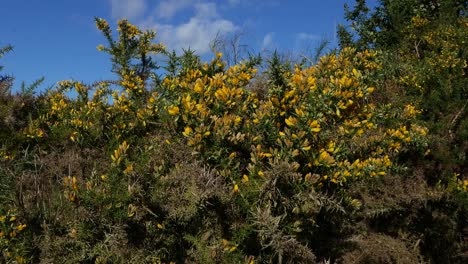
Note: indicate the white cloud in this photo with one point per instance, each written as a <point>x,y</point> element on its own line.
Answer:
<point>129,9</point>
<point>167,9</point>
<point>196,33</point>
<point>306,36</point>
<point>259,4</point>
<point>206,10</point>
<point>268,42</point>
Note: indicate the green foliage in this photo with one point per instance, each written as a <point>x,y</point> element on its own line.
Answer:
<point>277,69</point>
<point>385,26</point>
<point>424,53</point>
<point>28,90</point>
<point>330,163</point>
<point>131,52</point>
<point>5,80</point>
<point>189,61</point>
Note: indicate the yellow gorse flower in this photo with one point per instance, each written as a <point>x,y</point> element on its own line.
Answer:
<point>245,178</point>
<point>290,121</point>
<point>326,158</point>
<point>128,169</point>
<point>173,110</point>
<point>321,115</point>
<point>119,152</point>
<point>314,126</point>
<point>187,131</point>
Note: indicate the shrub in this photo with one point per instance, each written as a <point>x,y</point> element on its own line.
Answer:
<point>198,167</point>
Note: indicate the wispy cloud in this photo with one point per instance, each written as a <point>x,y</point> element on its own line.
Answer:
<point>195,23</point>
<point>197,32</point>
<point>255,3</point>
<point>167,9</point>
<point>268,42</point>
<point>306,36</point>
<point>129,9</point>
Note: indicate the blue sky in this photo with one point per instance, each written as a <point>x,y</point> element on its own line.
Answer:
<point>57,39</point>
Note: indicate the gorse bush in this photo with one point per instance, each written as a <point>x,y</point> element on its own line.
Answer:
<point>424,48</point>
<point>197,167</point>
<point>424,52</point>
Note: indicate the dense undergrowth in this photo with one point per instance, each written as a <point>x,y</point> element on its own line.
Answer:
<point>343,161</point>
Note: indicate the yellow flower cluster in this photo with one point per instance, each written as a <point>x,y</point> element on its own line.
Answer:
<point>132,83</point>
<point>10,230</point>
<point>4,156</point>
<point>125,26</point>
<point>400,136</point>
<point>71,188</point>
<point>102,24</point>
<point>410,111</point>
<point>323,120</point>
<point>119,153</point>
<point>228,245</point>
<point>319,119</point>
<point>33,131</point>
<point>58,103</point>
<point>418,21</point>
<point>438,48</point>
<point>459,183</point>
<point>85,113</point>
<point>211,104</point>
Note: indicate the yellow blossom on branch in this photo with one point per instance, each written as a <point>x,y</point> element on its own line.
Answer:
<point>290,121</point>
<point>173,110</point>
